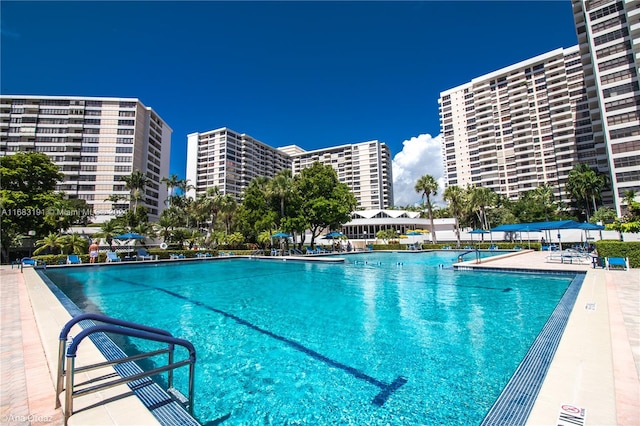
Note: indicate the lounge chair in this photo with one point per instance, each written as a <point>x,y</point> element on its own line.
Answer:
<point>27,262</point>
<point>617,262</point>
<point>73,259</point>
<point>493,247</point>
<point>176,256</point>
<point>143,254</point>
<point>112,256</point>
<point>311,251</point>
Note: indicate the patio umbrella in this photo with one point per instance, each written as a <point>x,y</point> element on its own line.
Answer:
<point>413,233</point>
<point>333,235</point>
<point>478,231</point>
<point>129,236</point>
<point>281,235</point>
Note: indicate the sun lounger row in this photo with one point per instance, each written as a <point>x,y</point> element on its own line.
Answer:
<point>569,256</point>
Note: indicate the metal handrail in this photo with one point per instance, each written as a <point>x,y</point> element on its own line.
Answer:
<point>124,328</point>
<point>476,251</point>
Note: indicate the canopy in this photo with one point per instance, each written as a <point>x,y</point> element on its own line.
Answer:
<point>545,226</point>
<point>129,236</point>
<point>479,231</point>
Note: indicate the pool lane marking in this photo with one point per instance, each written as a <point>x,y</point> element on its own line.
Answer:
<point>385,389</point>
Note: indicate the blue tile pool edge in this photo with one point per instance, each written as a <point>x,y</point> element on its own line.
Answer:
<point>516,401</point>
<point>166,410</point>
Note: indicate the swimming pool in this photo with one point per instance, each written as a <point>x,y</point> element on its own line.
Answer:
<point>385,338</point>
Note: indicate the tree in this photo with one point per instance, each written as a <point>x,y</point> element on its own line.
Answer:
<point>455,196</point>
<point>327,203</point>
<point>210,205</point>
<point>428,186</point>
<point>27,195</point>
<point>585,184</point>
<point>135,183</point>
<point>75,243</point>
<point>255,214</point>
<point>172,182</point>
<point>52,243</point>
<point>480,198</point>
<point>543,195</point>
<point>280,188</point>
<point>228,208</point>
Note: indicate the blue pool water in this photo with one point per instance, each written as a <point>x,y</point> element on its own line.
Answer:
<point>385,338</point>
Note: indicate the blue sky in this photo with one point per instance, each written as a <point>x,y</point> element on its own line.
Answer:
<point>314,74</point>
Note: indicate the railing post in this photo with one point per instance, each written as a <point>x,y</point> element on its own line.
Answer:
<point>60,379</point>
<point>170,378</point>
<point>192,367</point>
<point>68,400</point>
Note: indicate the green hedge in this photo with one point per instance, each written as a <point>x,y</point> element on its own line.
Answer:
<point>613,248</point>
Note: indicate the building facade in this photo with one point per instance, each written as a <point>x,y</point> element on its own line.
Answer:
<point>96,142</point>
<point>365,167</point>
<point>609,41</point>
<point>519,127</point>
<point>230,160</point>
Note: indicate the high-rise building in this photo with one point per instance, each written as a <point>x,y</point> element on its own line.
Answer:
<point>96,142</point>
<point>365,167</point>
<point>513,129</point>
<point>609,40</point>
<point>230,160</point>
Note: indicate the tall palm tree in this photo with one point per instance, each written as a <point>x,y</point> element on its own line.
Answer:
<point>228,207</point>
<point>480,198</point>
<point>136,183</point>
<point>52,242</point>
<point>456,198</point>
<point>585,184</point>
<point>544,196</point>
<point>172,182</point>
<point>281,188</point>
<point>427,185</point>
<point>110,229</point>
<point>209,205</point>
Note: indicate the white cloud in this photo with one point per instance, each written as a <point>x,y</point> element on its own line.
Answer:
<point>420,155</point>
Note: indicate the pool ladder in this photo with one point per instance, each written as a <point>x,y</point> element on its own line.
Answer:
<point>476,251</point>
<point>124,328</point>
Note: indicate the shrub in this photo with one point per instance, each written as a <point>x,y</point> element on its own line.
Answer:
<point>613,248</point>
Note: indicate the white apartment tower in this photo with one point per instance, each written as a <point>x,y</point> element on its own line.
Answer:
<point>609,40</point>
<point>365,167</point>
<point>230,160</point>
<point>516,128</point>
<point>95,141</point>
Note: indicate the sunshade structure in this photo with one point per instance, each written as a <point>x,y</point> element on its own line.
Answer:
<point>478,231</point>
<point>547,226</point>
<point>333,235</point>
<point>281,235</point>
<point>129,236</point>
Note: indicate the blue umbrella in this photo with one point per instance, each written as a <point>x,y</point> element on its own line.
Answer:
<point>478,231</point>
<point>333,235</point>
<point>281,235</point>
<point>129,236</point>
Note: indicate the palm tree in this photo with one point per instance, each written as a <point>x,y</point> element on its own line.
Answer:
<point>228,207</point>
<point>281,188</point>
<point>110,229</point>
<point>75,243</point>
<point>456,198</point>
<point>209,205</point>
<point>585,184</point>
<point>428,186</point>
<point>544,196</point>
<point>135,183</point>
<point>52,242</point>
<point>172,182</point>
<point>480,199</point>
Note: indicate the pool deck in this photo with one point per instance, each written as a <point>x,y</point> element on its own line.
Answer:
<point>596,366</point>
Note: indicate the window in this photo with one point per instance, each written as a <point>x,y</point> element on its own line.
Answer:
<point>617,62</point>
<point>631,161</point>
<point>613,35</point>
<point>619,90</point>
